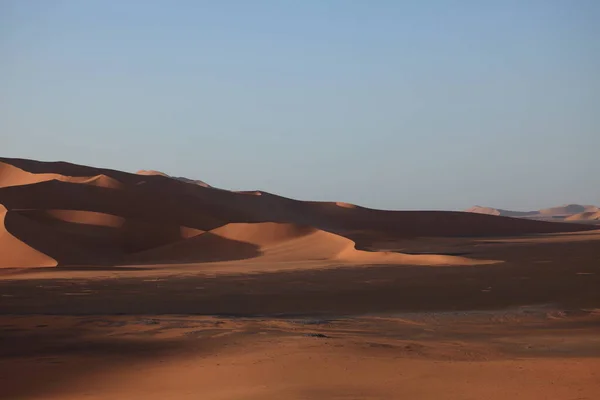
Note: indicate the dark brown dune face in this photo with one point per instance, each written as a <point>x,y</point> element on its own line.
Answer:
<point>69,214</point>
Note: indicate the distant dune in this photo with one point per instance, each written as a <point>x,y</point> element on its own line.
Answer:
<point>568,209</point>
<point>56,213</point>
<point>187,180</point>
<point>500,212</point>
<point>564,212</point>
<point>585,216</point>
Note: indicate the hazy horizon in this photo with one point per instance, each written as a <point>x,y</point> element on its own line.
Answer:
<point>419,105</point>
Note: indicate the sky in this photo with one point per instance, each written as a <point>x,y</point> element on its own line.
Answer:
<point>389,104</point>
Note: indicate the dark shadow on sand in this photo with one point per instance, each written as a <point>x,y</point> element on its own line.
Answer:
<point>564,274</point>
<point>39,362</point>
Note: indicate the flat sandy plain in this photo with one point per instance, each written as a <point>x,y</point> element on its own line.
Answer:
<point>105,297</point>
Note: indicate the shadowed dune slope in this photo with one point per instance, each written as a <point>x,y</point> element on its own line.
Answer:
<point>275,242</point>
<point>80,237</point>
<point>64,246</point>
<point>119,235</point>
<point>263,234</point>
<point>131,202</point>
<point>86,218</point>
<point>206,247</point>
<point>105,216</point>
<point>11,175</point>
<point>68,169</point>
<point>206,209</point>
<point>238,241</point>
<point>314,244</point>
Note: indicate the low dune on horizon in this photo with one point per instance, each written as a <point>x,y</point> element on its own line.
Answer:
<point>566,212</point>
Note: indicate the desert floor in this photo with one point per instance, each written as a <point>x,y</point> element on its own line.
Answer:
<point>527,327</point>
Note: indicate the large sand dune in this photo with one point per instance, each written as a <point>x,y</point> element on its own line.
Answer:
<point>274,242</point>
<point>15,252</point>
<point>13,176</point>
<point>71,214</point>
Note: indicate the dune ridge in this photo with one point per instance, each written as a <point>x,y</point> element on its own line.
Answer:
<point>73,214</point>
<point>289,242</point>
<point>179,178</point>
<point>11,175</point>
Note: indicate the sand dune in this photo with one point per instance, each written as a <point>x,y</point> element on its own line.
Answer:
<point>273,242</point>
<point>143,259</point>
<point>15,253</point>
<point>553,213</point>
<point>150,172</point>
<point>13,176</point>
<point>263,234</point>
<point>159,287</point>
<point>179,178</point>
<point>75,214</point>
<point>69,170</point>
<point>288,242</point>
<point>98,180</point>
<point>585,216</point>
<point>568,209</point>
<point>345,205</point>
<point>484,210</point>
<point>105,238</point>
<point>63,247</point>
<point>500,212</point>
<point>86,218</point>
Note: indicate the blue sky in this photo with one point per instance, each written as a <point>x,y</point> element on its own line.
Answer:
<point>388,104</point>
